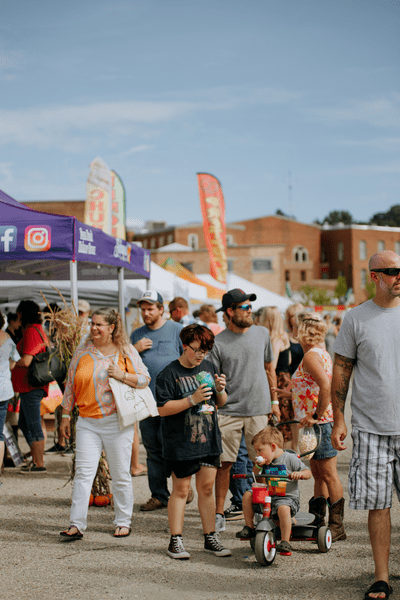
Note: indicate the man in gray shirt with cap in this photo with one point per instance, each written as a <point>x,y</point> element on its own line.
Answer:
<point>243,352</point>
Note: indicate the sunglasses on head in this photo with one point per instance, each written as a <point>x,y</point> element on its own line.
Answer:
<point>244,307</point>
<point>391,271</point>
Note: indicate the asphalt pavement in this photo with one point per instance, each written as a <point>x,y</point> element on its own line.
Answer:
<point>36,564</point>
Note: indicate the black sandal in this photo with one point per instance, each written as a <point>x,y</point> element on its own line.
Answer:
<point>72,536</point>
<point>378,587</point>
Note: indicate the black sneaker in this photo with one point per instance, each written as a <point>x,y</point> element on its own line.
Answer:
<point>56,448</point>
<point>176,548</point>
<point>67,451</point>
<point>233,513</point>
<point>212,544</point>
<point>32,468</point>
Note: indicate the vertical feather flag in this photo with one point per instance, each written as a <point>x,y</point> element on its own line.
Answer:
<point>117,207</point>
<point>213,211</point>
<point>98,196</point>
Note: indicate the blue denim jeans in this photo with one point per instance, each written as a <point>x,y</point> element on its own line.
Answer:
<point>243,464</point>
<point>152,440</point>
<point>3,414</point>
<point>29,418</point>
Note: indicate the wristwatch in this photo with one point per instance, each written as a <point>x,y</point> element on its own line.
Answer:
<point>315,416</point>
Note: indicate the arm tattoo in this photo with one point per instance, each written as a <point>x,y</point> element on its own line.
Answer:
<point>342,369</point>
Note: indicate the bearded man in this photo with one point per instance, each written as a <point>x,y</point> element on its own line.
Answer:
<point>243,353</point>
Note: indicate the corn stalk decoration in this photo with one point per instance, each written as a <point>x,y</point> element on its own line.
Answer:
<point>67,333</point>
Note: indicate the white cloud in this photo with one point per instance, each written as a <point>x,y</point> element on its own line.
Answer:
<point>11,59</point>
<point>74,128</point>
<point>366,170</point>
<point>381,112</point>
<point>6,176</point>
<point>134,149</point>
<point>388,144</point>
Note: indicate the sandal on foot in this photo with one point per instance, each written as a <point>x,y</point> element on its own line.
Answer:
<point>284,548</point>
<point>118,530</point>
<point>379,587</point>
<point>72,536</point>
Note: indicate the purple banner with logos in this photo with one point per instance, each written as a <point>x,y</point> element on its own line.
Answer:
<point>29,235</point>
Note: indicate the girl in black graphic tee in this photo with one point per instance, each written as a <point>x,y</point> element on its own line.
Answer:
<point>188,392</point>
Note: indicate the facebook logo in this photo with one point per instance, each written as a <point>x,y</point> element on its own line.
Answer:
<point>8,238</point>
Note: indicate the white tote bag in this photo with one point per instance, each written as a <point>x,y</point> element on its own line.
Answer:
<point>133,404</point>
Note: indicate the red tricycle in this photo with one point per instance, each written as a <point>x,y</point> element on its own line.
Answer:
<point>267,531</point>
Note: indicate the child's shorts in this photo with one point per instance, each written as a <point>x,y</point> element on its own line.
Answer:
<point>277,501</point>
<point>186,468</point>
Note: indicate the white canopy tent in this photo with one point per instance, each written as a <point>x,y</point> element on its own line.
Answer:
<point>103,293</point>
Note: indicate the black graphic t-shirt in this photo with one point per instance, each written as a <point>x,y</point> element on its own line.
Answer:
<point>194,432</point>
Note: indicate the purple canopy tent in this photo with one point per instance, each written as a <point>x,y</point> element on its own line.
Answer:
<point>42,246</point>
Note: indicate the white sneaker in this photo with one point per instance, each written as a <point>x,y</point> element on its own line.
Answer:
<point>176,548</point>
<point>219,523</point>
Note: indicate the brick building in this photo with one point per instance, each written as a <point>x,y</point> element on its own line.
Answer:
<point>270,251</point>
<point>346,249</point>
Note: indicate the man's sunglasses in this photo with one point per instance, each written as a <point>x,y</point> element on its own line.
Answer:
<point>244,307</point>
<point>392,271</point>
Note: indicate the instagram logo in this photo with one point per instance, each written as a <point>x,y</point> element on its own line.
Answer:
<point>37,238</point>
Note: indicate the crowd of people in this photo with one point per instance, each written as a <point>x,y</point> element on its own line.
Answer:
<point>222,393</point>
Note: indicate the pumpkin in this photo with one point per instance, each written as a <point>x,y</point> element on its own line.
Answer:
<point>91,499</point>
<point>101,500</point>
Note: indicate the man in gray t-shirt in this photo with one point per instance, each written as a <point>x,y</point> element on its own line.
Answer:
<point>243,352</point>
<point>368,344</point>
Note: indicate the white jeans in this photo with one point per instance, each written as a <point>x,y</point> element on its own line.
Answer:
<point>92,435</point>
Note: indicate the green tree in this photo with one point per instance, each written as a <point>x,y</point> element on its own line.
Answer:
<point>339,216</point>
<point>341,287</point>
<point>370,289</point>
<point>391,218</point>
<point>318,296</point>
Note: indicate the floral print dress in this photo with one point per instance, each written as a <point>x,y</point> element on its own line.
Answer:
<point>305,390</point>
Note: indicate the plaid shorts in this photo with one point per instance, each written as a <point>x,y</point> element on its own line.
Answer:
<point>374,468</point>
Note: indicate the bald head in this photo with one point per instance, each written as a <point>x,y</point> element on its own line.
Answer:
<point>382,260</point>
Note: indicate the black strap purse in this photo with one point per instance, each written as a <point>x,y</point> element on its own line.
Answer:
<point>46,367</point>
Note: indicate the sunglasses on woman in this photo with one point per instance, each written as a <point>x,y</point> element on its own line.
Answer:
<point>391,271</point>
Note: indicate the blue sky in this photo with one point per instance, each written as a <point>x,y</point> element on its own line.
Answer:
<point>263,94</point>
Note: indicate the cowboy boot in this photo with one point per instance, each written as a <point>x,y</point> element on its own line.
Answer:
<point>336,514</point>
<point>317,507</point>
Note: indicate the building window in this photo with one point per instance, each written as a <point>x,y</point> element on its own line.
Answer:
<point>362,245</point>
<point>230,265</point>
<point>153,243</point>
<point>229,240</point>
<point>188,266</point>
<point>161,241</point>
<point>340,251</point>
<point>303,276</point>
<point>300,254</point>
<point>323,255</point>
<point>397,247</point>
<point>262,264</point>
<point>287,275</point>
<point>144,243</point>
<point>170,239</point>
<point>363,277</point>
<point>381,246</point>
<point>193,241</point>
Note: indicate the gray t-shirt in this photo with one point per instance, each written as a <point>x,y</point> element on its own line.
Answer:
<point>241,357</point>
<point>292,463</point>
<point>370,334</point>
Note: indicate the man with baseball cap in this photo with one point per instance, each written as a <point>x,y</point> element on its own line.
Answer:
<point>243,352</point>
<point>158,344</point>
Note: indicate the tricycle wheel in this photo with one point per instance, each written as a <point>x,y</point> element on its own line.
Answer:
<point>265,547</point>
<point>324,539</point>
